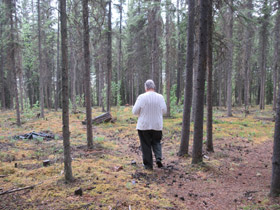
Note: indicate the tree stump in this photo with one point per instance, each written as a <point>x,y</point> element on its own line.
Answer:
<point>46,163</point>
<point>79,192</point>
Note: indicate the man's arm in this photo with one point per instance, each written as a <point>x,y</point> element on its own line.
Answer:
<point>137,106</point>
<point>163,106</point>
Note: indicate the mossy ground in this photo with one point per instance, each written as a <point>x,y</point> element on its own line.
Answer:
<point>242,146</point>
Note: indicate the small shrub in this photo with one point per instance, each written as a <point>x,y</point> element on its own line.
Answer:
<point>99,138</point>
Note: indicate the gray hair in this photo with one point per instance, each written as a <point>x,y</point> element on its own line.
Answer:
<point>149,84</point>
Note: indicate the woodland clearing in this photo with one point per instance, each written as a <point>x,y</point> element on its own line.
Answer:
<point>236,176</point>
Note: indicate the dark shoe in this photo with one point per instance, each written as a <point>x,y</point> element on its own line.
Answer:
<point>148,167</point>
<point>159,164</point>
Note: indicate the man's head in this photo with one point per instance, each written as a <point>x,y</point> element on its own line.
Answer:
<point>150,85</point>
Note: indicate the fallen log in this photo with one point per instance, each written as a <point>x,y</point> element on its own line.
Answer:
<point>106,117</point>
<point>18,189</point>
<point>46,135</point>
<point>78,112</point>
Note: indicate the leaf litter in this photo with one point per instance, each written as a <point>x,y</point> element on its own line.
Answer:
<point>236,176</point>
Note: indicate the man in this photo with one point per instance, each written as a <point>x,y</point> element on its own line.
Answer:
<point>150,107</point>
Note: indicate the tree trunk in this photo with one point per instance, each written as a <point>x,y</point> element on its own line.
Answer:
<point>87,75</point>
<point>97,83</point>
<point>2,85</point>
<point>155,28</point>
<point>276,65</point>
<point>41,76</point>
<point>209,142</point>
<point>101,72</point>
<point>9,85</point>
<point>73,68</point>
<point>109,56</point>
<point>199,95</point>
<point>185,134</point>
<point>275,179</point>
<point>239,82</point>
<point>179,56</point>
<point>195,69</point>
<point>120,57</point>
<point>229,33</point>
<point>167,60</point>
<point>73,80</point>
<point>263,52</point>
<point>12,7</point>
<point>220,86</point>
<point>58,73</point>
<point>65,94</point>
<point>19,64</point>
<point>195,58</point>
<point>247,54</point>
<point>119,76</point>
<point>239,79</point>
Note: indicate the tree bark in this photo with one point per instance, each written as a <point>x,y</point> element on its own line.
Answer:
<point>229,34</point>
<point>87,75</point>
<point>167,60</point>
<point>2,86</point>
<point>238,66</point>
<point>275,179</point>
<point>179,56</point>
<point>102,81</point>
<point>195,69</point>
<point>185,133</point>
<point>120,57</point>
<point>9,85</point>
<point>220,86</point>
<point>109,56</point>
<point>65,94</point>
<point>73,75</point>
<point>119,76</point>
<point>12,7</point>
<point>276,65</point>
<point>41,71</point>
<point>97,83</point>
<point>19,64</point>
<point>199,95</point>
<point>263,52</point>
<point>58,73</point>
<point>12,67</point>
<point>73,81</point>
<point>209,142</point>
<point>155,28</point>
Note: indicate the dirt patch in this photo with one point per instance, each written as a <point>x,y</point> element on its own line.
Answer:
<point>5,146</point>
<point>15,201</point>
<point>83,152</point>
<point>236,175</point>
<point>271,119</point>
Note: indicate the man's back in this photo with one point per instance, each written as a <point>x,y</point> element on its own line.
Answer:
<point>150,107</point>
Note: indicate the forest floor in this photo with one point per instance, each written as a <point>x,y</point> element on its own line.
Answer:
<point>236,176</point>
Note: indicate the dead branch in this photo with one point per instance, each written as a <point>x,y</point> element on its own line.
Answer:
<point>18,189</point>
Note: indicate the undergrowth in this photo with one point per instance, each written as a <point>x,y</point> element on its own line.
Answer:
<point>105,173</point>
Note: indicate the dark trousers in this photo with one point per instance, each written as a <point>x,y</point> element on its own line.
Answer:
<point>150,140</point>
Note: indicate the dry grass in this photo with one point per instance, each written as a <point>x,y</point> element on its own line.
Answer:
<point>97,169</point>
